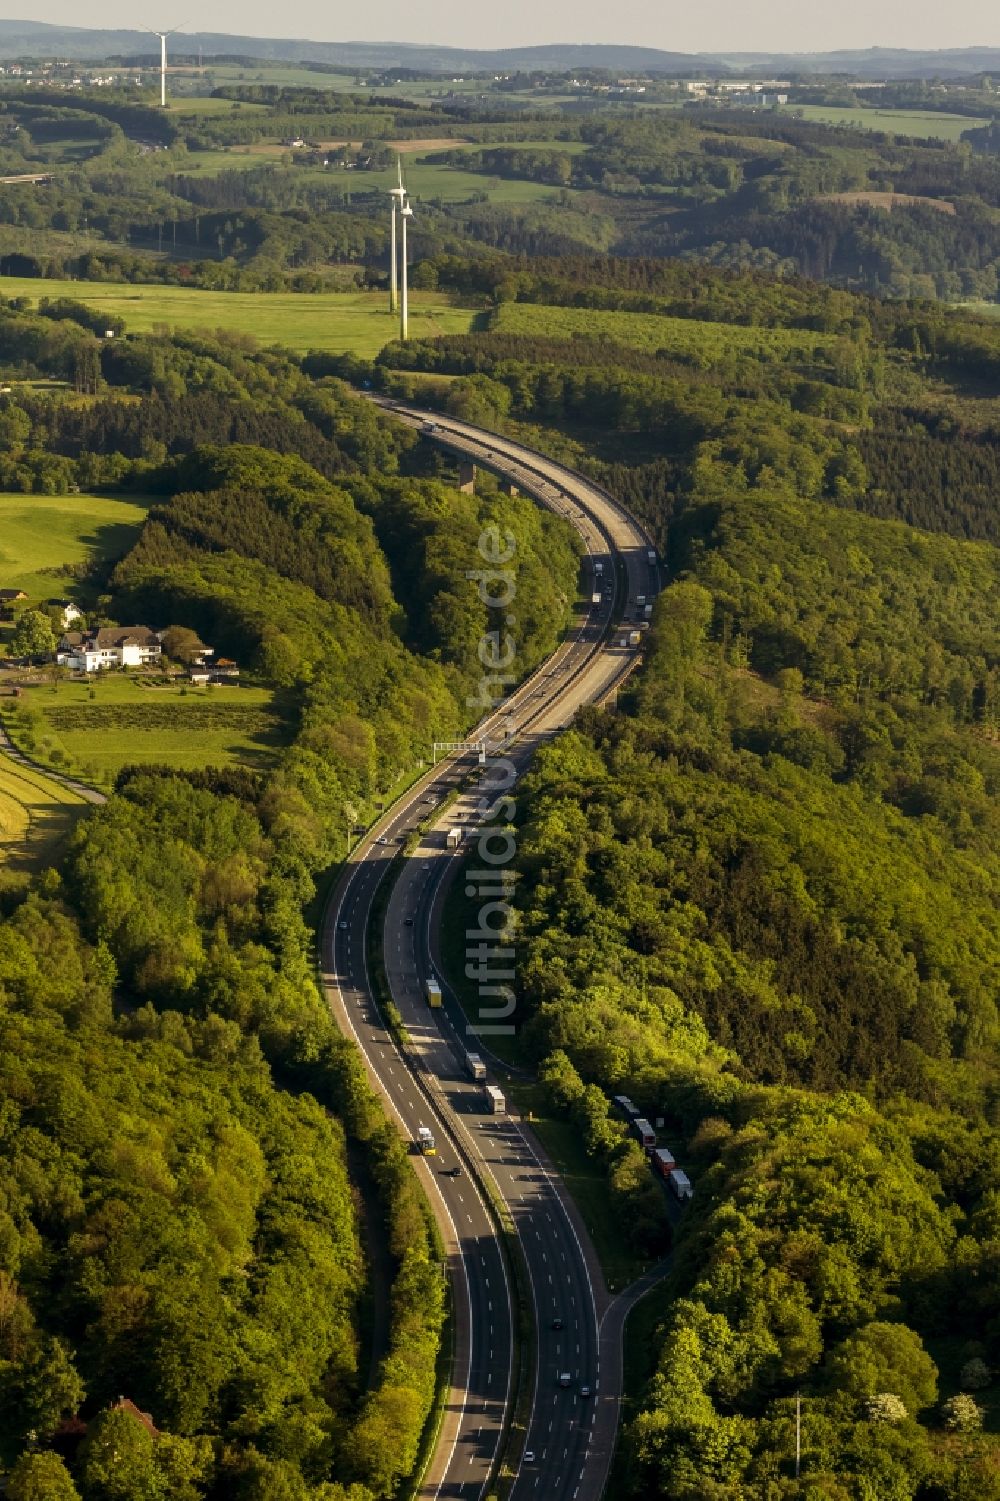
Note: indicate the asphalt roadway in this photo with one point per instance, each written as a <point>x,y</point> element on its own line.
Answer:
<point>488,1180</point>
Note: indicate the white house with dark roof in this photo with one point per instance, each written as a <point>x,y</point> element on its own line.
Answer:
<point>107,647</point>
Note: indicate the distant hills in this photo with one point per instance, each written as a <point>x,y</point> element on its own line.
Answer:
<point>873,62</point>
<point>39,39</point>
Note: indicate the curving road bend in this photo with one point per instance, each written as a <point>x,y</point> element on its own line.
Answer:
<point>570,1436</point>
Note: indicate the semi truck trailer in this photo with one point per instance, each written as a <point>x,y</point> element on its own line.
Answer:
<point>432,990</point>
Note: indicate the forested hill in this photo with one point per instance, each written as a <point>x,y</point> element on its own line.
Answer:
<point>673,381</point>
<point>760,898</point>
<point>196,1180</point>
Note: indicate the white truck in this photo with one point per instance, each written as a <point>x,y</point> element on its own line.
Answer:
<point>495,1100</point>
<point>454,837</point>
<point>425,1141</point>
<point>651,557</point>
<point>634,638</point>
<point>680,1184</point>
<point>595,598</point>
<point>647,610</point>
<point>640,599</point>
<point>644,1131</point>
<point>432,990</point>
<point>476,1066</point>
<point>598,569</point>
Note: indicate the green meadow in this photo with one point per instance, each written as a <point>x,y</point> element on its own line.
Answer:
<point>35,813</point>
<point>39,533</point>
<point>653,332</point>
<point>120,719</point>
<point>920,123</point>
<point>359,322</point>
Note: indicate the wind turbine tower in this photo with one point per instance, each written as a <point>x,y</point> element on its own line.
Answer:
<point>405,213</point>
<point>398,196</point>
<point>163,60</point>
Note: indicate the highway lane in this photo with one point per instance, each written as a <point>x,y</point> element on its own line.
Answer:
<point>559,1435</point>
<point>570,1460</point>
<point>476,1258</point>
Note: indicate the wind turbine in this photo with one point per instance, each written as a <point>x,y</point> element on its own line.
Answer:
<point>163,59</point>
<point>405,213</point>
<point>400,194</point>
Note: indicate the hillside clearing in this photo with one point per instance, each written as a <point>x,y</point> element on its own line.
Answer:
<point>40,533</point>
<point>35,813</point>
<point>922,124</point>
<point>889,201</point>
<point>653,332</point>
<point>339,322</point>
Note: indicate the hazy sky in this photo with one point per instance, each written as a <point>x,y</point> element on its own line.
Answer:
<point>726,25</point>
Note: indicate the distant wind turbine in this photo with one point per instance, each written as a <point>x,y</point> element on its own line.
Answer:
<point>163,59</point>
<point>400,194</point>
<point>405,213</point>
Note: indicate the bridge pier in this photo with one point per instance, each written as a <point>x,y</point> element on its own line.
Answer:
<point>467,477</point>
<point>508,487</point>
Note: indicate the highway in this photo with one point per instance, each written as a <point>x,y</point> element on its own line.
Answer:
<point>479,1155</point>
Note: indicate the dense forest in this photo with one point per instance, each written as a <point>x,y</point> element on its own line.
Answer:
<point>762,900</point>
<point>180,1230</point>
<point>760,897</point>
<point>673,383</point>
<point>194,1168</point>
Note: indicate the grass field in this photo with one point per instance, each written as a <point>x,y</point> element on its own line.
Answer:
<point>193,104</point>
<point>921,123</point>
<point>128,721</point>
<point>425,178</point>
<point>214,75</point>
<point>337,321</point>
<point>35,813</point>
<point>571,148</point>
<point>429,180</point>
<point>335,83</point>
<point>984,309</point>
<point>39,532</point>
<point>211,163</point>
<point>651,332</point>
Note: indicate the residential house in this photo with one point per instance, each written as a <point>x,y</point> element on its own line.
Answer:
<point>68,611</point>
<point>225,671</point>
<point>144,1419</point>
<point>107,647</point>
<point>8,599</point>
